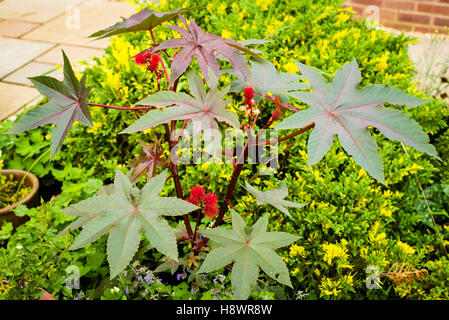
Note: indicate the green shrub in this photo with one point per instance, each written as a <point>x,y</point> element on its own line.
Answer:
<point>352,222</point>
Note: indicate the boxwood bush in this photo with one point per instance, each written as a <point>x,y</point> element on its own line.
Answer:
<point>352,222</point>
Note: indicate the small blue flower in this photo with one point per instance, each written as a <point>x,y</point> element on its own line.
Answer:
<point>204,276</point>
<point>178,276</point>
<point>187,269</point>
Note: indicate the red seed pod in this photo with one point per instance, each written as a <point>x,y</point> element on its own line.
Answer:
<point>197,193</point>
<point>211,211</point>
<point>154,62</point>
<point>249,93</point>
<point>140,59</point>
<point>210,199</point>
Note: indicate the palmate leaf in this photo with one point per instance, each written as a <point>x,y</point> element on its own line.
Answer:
<point>204,110</point>
<point>194,42</point>
<point>342,109</point>
<point>148,160</point>
<point>274,197</point>
<point>126,212</point>
<point>67,104</point>
<point>265,78</point>
<point>140,21</point>
<point>169,265</point>
<point>249,251</point>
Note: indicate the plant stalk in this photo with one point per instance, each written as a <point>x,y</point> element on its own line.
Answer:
<point>120,108</point>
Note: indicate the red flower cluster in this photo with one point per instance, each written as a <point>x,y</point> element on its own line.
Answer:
<point>142,58</point>
<point>209,201</point>
<point>152,61</point>
<point>249,95</point>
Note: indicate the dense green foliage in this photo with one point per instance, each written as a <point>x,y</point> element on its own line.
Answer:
<point>351,221</point>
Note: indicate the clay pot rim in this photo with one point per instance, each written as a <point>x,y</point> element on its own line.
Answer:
<point>35,187</point>
<point>45,295</point>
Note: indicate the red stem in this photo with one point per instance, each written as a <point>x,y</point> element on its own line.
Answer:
<point>120,108</point>
<point>243,214</point>
<point>174,167</point>
<point>286,137</point>
<point>162,60</point>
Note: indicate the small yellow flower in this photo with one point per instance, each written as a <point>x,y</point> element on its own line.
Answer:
<point>382,62</point>
<point>332,251</point>
<point>386,212</point>
<point>221,10</point>
<point>291,67</point>
<point>263,4</point>
<point>226,34</point>
<point>405,247</point>
<point>296,250</point>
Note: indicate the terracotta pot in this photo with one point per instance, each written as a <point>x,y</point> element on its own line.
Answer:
<point>31,200</point>
<point>45,296</point>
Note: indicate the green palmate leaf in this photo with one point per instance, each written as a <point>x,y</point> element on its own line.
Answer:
<point>203,110</point>
<point>169,265</point>
<point>343,109</point>
<point>140,21</point>
<point>249,251</point>
<point>265,78</point>
<point>274,197</point>
<point>126,212</point>
<point>67,105</point>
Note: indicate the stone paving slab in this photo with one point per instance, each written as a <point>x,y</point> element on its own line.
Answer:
<point>15,29</point>
<point>33,69</point>
<point>35,10</point>
<point>74,53</point>
<point>93,16</point>
<point>15,53</point>
<point>14,97</point>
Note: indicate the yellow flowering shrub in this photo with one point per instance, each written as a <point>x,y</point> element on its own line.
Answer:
<point>350,222</point>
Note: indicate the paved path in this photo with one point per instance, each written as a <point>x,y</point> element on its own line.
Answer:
<point>32,34</point>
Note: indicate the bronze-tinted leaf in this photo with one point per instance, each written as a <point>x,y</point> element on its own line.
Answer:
<point>140,21</point>
<point>148,160</point>
<point>194,42</point>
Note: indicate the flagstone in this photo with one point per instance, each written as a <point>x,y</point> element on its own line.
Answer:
<point>15,29</point>
<point>33,69</point>
<point>35,10</point>
<point>74,29</point>
<point>14,97</point>
<point>74,53</point>
<point>15,53</point>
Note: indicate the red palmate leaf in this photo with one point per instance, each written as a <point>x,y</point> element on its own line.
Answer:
<point>194,42</point>
<point>140,21</point>
<point>147,161</point>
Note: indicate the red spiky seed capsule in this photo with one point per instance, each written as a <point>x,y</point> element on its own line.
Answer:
<point>249,93</point>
